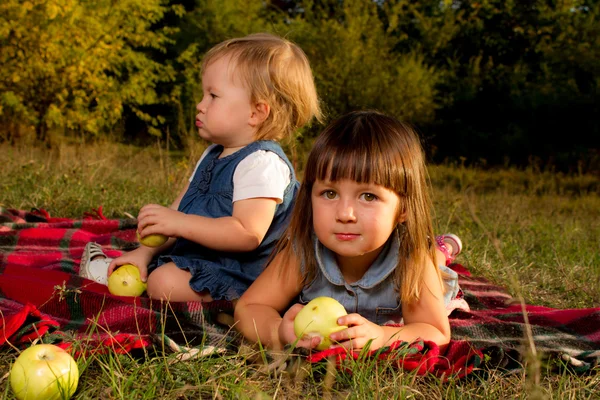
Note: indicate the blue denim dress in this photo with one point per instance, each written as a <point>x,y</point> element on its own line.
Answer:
<point>374,296</point>
<point>226,275</point>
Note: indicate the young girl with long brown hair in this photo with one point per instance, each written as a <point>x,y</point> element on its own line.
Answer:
<point>361,232</point>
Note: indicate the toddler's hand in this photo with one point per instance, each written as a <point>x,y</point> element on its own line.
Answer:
<point>286,330</point>
<point>137,257</point>
<point>360,331</point>
<point>156,219</point>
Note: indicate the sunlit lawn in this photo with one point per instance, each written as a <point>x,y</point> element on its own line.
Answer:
<point>537,234</point>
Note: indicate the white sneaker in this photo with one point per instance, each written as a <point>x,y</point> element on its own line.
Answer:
<point>94,264</point>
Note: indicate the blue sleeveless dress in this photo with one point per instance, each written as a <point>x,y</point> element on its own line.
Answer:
<point>374,296</point>
<point>226,275</point>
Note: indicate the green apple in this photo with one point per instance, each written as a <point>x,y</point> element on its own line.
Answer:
<point>319,318</point>
<point>44,371</point>
<point>153,240</point>
<point>126,281</point>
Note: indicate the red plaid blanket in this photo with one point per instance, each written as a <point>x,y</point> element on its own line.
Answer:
<point>494,331</point>
<point>42,296</point>
<point>41,291</point>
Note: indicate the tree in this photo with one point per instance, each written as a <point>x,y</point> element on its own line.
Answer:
<point>75,65</point>
<point>523,74</point>
<point>205,24</point>
<point>355,65</point>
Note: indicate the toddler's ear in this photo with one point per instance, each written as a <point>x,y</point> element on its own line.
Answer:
<point>260,112</point>
<point>401,217</point>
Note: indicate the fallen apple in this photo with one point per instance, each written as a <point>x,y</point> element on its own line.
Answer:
<point>319,318</point>
<point>153,240</point>
<point>126,281</point>
<point>44,371</point>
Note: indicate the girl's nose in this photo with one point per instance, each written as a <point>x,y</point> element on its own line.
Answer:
<point>200,107</point>
<point>345,212</point>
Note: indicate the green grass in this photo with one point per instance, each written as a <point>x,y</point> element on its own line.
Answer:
<point>535,233</point>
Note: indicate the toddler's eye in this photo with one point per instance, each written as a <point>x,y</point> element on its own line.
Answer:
<point>369,197</point>
<point>329,194</point>
<point>214,96</point>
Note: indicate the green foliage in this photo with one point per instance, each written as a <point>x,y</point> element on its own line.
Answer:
<point>492,81</point>
<point>75,65</point>
<point>522,77</point>
<point>205,24</point>
<point>355,64</point>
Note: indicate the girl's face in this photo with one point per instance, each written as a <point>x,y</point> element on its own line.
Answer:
<point>225,110</point>
<point>354,220</point>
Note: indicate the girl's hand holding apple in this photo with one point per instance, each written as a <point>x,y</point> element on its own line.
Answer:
<point>139,257</point>
<point>155,219</point>
<point>319,320</point>
<point>286,330</point>
<point>360,331</point>
<point>126,281</point>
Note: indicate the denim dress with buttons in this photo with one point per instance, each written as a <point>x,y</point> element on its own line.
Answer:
<point>374,296</point>
<point>226,275</point>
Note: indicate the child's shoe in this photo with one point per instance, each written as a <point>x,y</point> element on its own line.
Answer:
<point>94,263</point>
<point>450,245</point>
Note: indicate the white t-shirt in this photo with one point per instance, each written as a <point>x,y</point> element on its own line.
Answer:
<point>261,174</point>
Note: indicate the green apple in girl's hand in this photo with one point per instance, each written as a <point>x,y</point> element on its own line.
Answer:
<point>43,372</point>
<point>319,318</point>
<point>126,281</point>
<point>153,240</point>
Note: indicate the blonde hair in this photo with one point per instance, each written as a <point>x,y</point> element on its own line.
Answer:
<point>277,72</point>
<point>367,146</point>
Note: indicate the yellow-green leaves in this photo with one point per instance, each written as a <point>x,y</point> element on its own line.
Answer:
<point>75,64</point>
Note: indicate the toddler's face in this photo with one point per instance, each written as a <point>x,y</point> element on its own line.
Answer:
<point>225,110</point>
<point>354,220</point>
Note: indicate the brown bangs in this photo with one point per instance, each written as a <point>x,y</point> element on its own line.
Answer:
<point>347,154</point>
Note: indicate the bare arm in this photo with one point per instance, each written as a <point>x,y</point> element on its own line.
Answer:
<point>174,206</point>
<point>243,231</point>
<point>426,319</point>
<point>142,256</point>
<point>258,311</point>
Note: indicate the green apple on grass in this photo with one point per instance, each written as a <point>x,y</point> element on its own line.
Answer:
<point>126,281</point>
<point>44,372</point>
<point>319,318</point>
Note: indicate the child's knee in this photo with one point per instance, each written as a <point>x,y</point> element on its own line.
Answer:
<point>159,284</point>
<point>170,283</point>
<point>154,289</point>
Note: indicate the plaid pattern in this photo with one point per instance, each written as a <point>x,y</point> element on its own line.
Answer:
<point>494,331</point>
<point>41,295</point>
<point>41,291</point>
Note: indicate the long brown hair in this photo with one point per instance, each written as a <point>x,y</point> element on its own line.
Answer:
<point>370,147</point>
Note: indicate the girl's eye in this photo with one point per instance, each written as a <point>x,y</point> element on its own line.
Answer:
<point>214,96</point>
<point>329,194</point>
<point>369,197</point>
